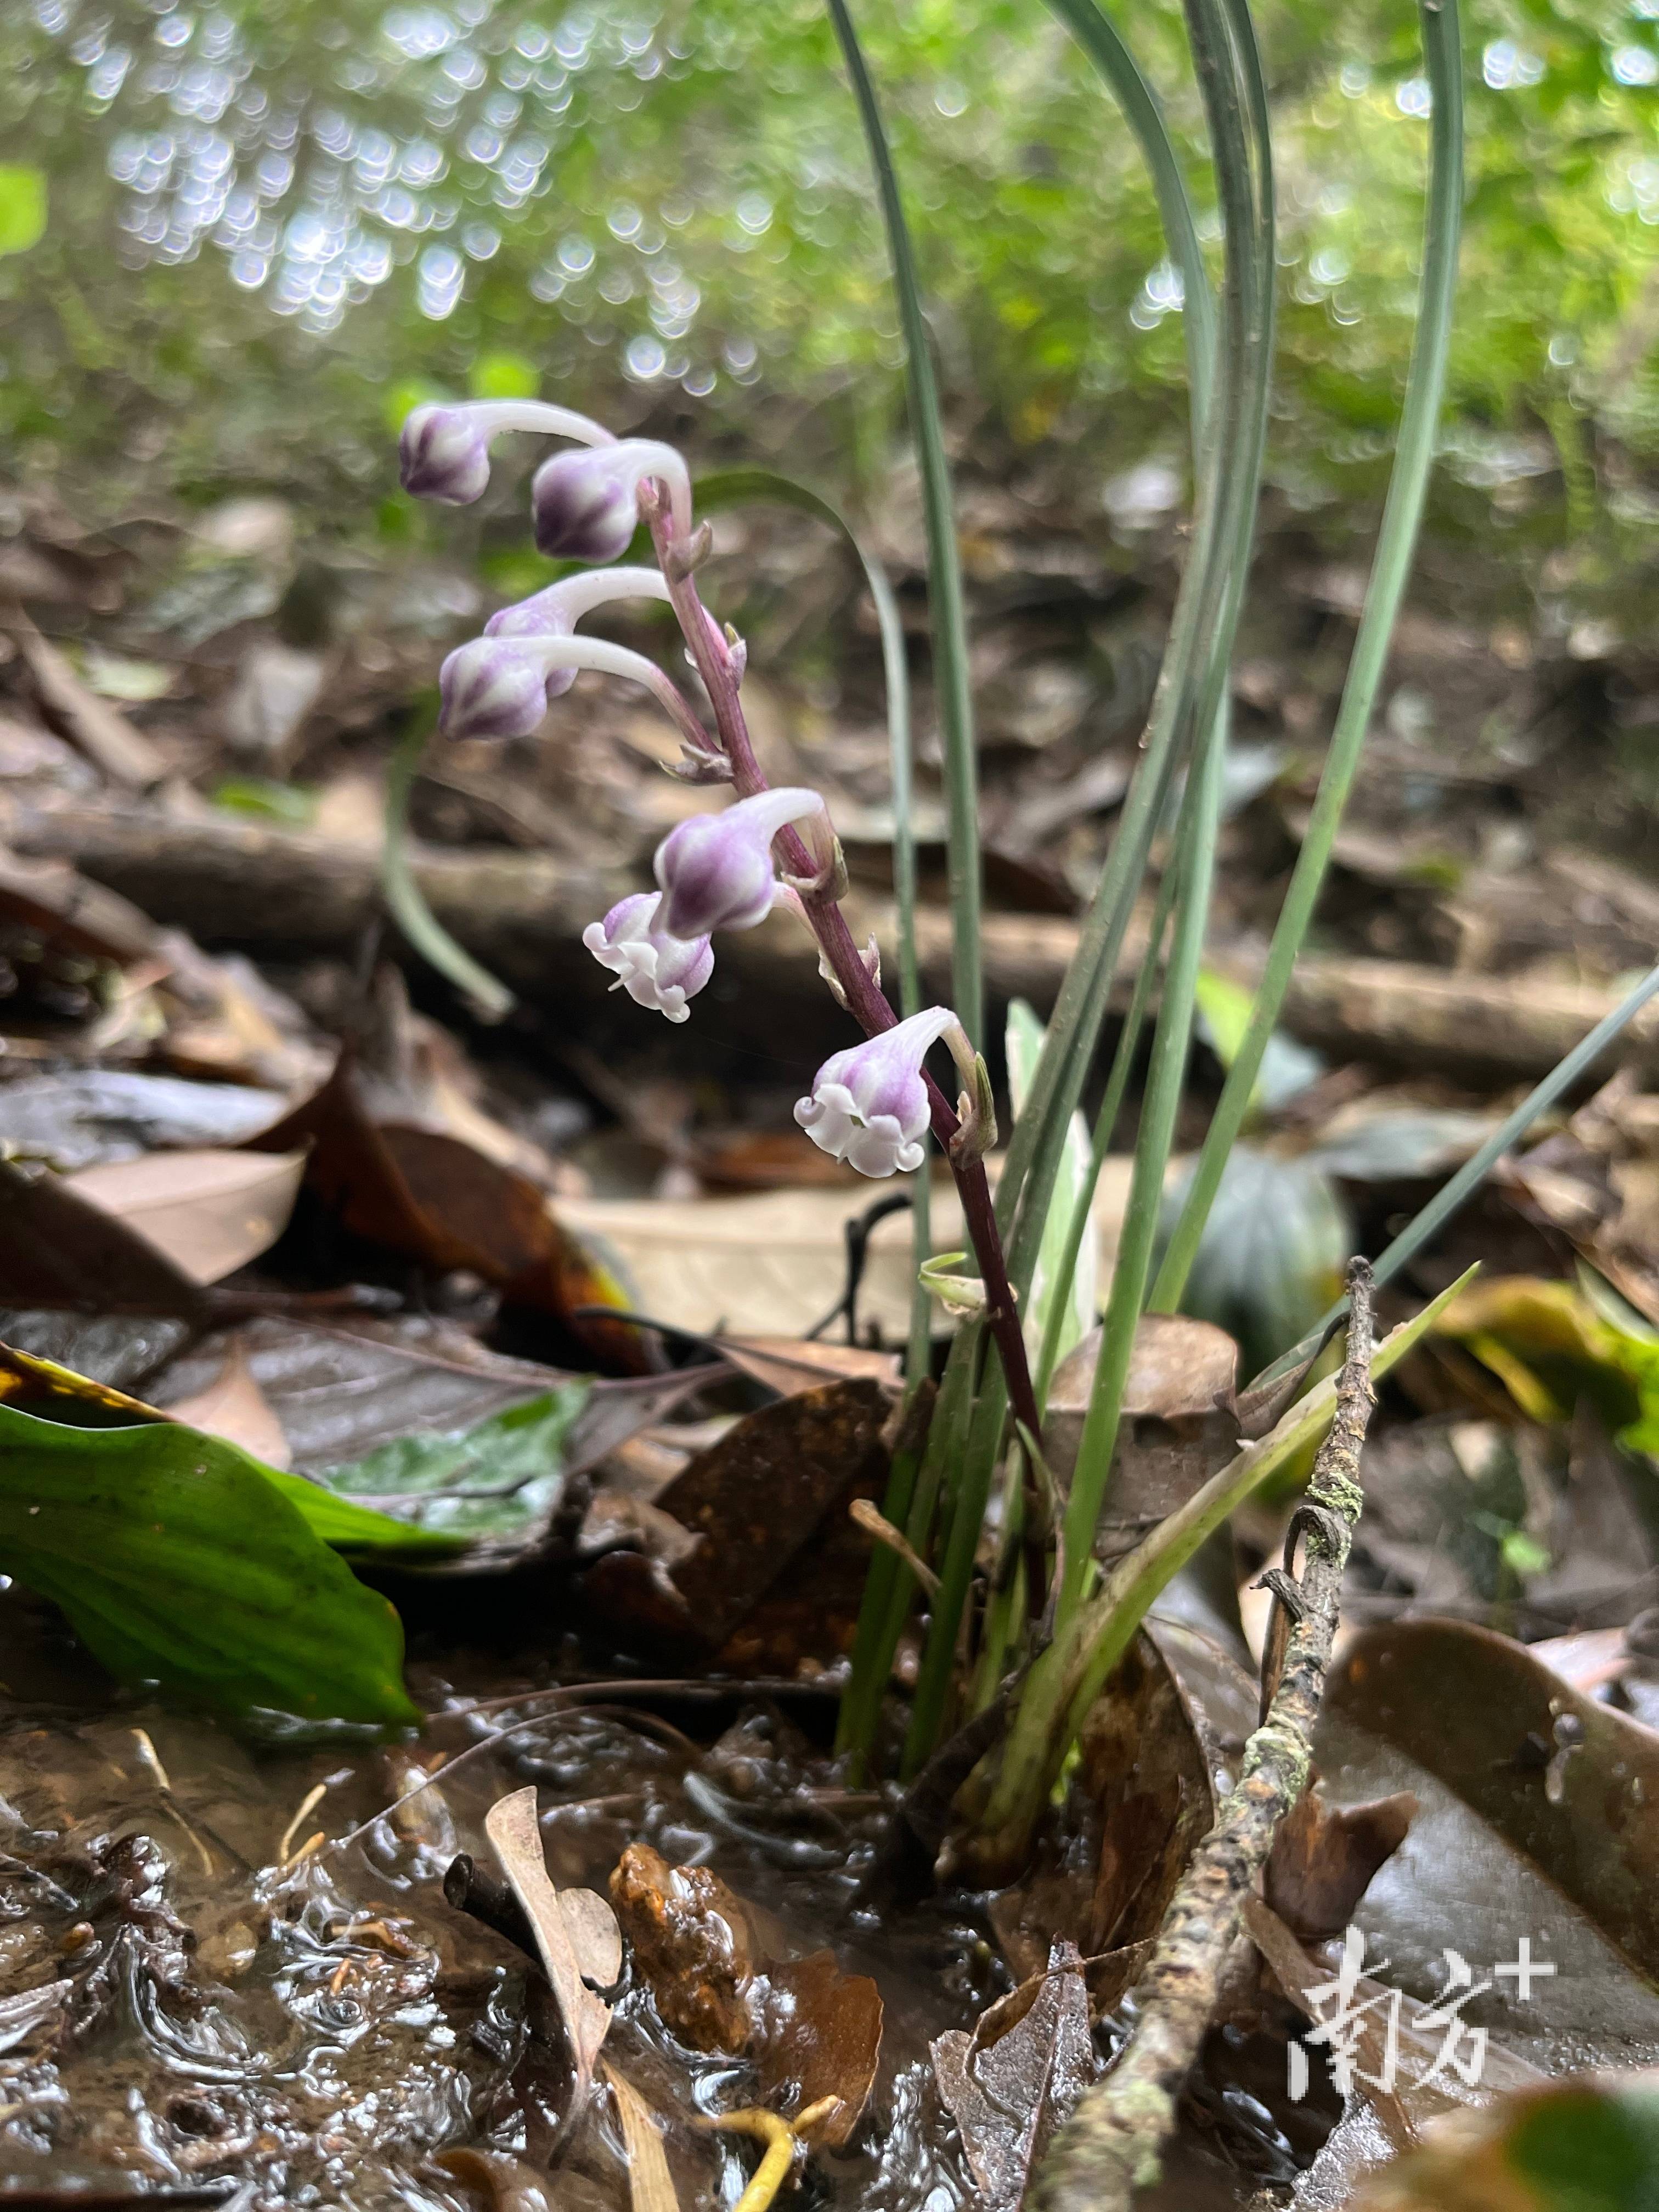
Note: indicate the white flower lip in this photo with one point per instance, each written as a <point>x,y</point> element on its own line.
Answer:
<point>869,1104</point>
<point>658,972</point>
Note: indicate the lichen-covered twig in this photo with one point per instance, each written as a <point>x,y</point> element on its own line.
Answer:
<point>1111,2146</point>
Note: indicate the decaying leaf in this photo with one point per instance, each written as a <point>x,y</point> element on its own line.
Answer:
<point>1178,1425</point>
<point>58,1249</point>
<point>505,2183</point>
<point>209,1212</point>
<point>1324,1855</point>
<point>812,2032</point>
<point>1013,2079</point>
<point>1587,2143</point>
<point>79,1117</point>
<point>774,1263</point>
<point>817,2042</point>
<point>755,1501</point>
<point>1566,1780</point>
<point>1142,1797</point>
<point>650,2185</point>
<point>434,1198</point>
<point>233,1407</point>
<point>787,1364</point>
<point>511,1827</point>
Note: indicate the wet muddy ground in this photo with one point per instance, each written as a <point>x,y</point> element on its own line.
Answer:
<point>227,1980</point>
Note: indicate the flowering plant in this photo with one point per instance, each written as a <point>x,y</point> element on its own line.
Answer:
<point>873,1104</point>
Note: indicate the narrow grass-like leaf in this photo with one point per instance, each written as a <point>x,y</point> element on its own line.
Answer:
<point>1396,545</point>
<point>1061,1309</point>
<point>1102,42</point>
<point>1066,1679</point>
<point>1429,1221</point>
<point>1111,1106</point>
<point>489,999</point>
<point>1239,132</point>
<point>948,605</point>
<point>1189,696</point>
<point>179,1561</point>
<point>1171,1044</point>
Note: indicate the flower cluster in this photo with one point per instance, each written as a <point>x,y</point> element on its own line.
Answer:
<point>870,1105</point>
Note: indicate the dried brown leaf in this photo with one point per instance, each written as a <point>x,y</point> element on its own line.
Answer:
<point>819,2040</point>
<point>233,1407</point>
<point>650,2185</point>
<point>209,1212</point>
<point>756,1501</point>
<point>512,1829</point>
<point>1563,1778</point>
<point>1009,2086</point>
<point>1178,1427</point>
<point>1143,1797</point>
<point>1324,1855</point>
<point>59,1248</point>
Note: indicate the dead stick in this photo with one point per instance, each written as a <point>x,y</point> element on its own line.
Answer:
<point>469,1889</point>
<point>1111,2146</point>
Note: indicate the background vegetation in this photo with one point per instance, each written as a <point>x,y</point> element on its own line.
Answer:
<point>269,227</point>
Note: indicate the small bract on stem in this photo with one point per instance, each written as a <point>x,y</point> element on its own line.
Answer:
<point>872,1104</point>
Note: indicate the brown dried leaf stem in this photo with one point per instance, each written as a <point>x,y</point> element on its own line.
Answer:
<point>1111,2146</point>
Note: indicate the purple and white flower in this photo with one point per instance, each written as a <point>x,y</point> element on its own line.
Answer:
<point>869,1104</point>
<point>443,451</point>
<point>555,611</point>
<point>498,687</point>
<point>655,970</point>
<point>585,506</point>
<point>715,870</point>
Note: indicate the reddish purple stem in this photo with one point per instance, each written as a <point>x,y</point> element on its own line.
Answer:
<point>865,999</point>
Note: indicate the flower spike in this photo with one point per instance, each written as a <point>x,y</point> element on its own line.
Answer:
<point>443,453</point>
<point>715,870</point>
<point>555,611</point>
<point>655,970</point>
<point>585,506</point>
<point>869,1104</point>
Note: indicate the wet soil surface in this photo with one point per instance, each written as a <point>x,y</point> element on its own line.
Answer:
<point>225,1980</point>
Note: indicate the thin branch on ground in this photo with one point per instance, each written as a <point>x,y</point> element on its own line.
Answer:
<point>1111,2146</point>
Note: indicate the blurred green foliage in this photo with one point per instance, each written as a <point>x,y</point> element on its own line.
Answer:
<point>272,227</point>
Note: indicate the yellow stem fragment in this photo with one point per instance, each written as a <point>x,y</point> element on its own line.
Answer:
<point>783,2140</point>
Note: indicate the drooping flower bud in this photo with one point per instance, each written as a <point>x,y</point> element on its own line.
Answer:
<point>655,970</point>
<point>715,870</point>
<point>443,453</point>
<point>555,611</point>
<point>498,687</point>
<point>585,506</point>
<point>869,1104</point>
<point>491,688</point>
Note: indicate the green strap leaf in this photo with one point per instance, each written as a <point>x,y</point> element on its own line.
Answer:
<point>180,1561</point>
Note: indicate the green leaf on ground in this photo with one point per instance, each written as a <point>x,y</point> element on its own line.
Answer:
<point>179,1560</point>
<point>497,1479</point>
<point>1587,2143</point>
<point>60,1396</point>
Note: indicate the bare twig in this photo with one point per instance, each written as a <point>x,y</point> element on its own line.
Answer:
<point>1111,2146</point>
